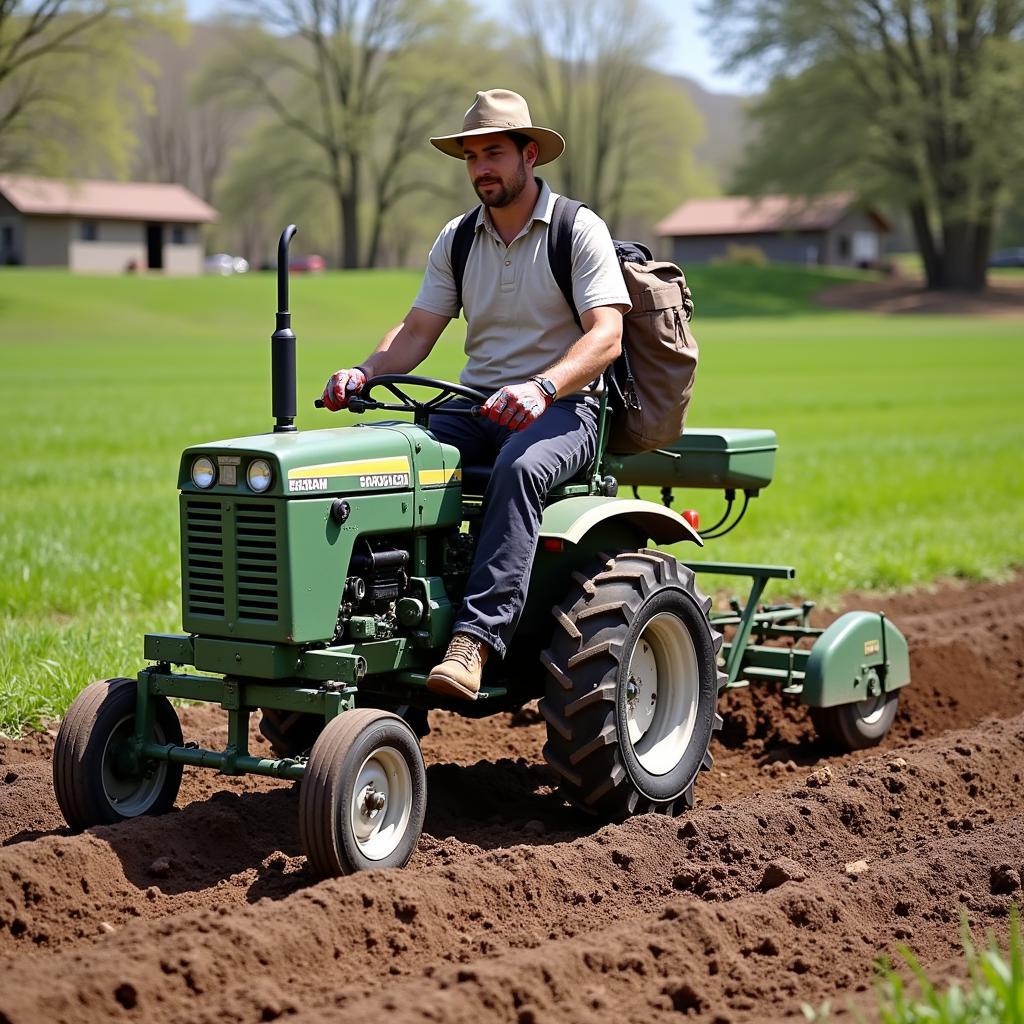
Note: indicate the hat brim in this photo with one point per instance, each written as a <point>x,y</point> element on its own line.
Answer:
<point>549,143</point>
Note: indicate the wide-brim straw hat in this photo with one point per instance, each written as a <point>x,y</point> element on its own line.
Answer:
<point>500,110</point>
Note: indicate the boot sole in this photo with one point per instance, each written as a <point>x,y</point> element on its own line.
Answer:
<point>449,687</point>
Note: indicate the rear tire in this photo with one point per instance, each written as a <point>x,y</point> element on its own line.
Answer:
<point>632,687</point>
<point>859,725</point>
<point>90,778</point>
<point>363,796</point>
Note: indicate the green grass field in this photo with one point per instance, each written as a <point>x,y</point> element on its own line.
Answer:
<point>899,461</point>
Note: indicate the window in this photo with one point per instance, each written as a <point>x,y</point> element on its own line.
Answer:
<point>844,247</point>
<point>90,231</point>
<point>178,235</point>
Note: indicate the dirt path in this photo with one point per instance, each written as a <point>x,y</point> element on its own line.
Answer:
<point>514,907</point>
<point>1003,298</point>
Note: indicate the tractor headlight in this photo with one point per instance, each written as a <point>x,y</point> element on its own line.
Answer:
<point>259,475</point>
<point>204,473</point>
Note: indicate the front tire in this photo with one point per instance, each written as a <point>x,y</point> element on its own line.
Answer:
<point>632,687</point>
<point>364,794</point>
<point>92,777</point>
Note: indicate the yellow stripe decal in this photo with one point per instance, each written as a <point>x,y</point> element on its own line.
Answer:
<point>397,464</point>
<point>439,476</point>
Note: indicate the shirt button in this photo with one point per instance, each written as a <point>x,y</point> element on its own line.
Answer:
<point>508,263</point>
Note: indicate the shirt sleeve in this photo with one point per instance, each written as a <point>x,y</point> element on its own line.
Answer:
<point>437,292</point>
<point>596,275</point>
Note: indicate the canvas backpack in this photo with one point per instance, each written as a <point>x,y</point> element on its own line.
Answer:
<point>650,383</point>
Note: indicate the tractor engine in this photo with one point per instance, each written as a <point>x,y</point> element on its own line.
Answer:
<point>378,580</point>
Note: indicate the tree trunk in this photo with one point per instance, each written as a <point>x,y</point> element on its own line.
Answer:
<point>930,258</point>
<point>959,260</point>
<point>350,214</point>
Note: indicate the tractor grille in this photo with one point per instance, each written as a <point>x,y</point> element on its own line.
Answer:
<point>256,548</point>
<point>204,558</point>
<point>231,566</point>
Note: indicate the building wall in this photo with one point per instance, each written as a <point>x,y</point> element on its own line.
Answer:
<point>183,258</point>
<point>805,247</point>
<point>45,241</point>
<point>854,241</point>
<point>120,245</point>
<point>11,233</point>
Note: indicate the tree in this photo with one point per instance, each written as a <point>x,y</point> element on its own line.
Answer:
<point>183,137</point>
<point>629,131</point>
<point>916,101</point>
<point>66,68</point>
<point>354,88</point>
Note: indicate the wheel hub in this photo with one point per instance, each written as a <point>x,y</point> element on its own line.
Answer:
<point>381,804</point>
<point>662,693</point>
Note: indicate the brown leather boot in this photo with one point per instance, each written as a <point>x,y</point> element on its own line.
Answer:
<point>459,674</point>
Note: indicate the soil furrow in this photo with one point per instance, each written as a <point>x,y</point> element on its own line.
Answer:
<point>517,908</point>
<point>755,959</point>
<point>376,924</point>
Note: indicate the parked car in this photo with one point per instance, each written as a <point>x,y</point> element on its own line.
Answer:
<point>225,264</point>
<point>1007,258</point>
<point>311,264</point>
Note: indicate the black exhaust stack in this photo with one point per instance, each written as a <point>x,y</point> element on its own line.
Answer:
<point>282,345</point>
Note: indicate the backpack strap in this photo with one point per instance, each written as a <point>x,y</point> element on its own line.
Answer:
<point>563,217</point>
<point>465,234</point>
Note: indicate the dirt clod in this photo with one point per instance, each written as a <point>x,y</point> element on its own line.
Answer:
<point>160,868</point>
<point>819,778</point>
<point>1005,879</point>
<point>780,871</point>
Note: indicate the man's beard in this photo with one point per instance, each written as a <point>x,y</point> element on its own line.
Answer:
<point>509,191</point>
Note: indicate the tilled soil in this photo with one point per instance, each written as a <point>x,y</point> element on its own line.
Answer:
<point>516,908</point>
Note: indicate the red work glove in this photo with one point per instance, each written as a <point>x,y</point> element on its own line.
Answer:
<point>516,406</point>
<point>342,386</point>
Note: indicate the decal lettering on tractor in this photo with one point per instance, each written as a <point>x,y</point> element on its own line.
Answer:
<point>871,647</point>
<point>391,471</point>
<point>310,483</point>
<point>385,480</point>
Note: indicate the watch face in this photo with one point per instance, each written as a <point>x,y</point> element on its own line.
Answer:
<point>547,386</point>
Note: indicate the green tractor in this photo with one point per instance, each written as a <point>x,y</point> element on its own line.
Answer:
<point>320,575</point>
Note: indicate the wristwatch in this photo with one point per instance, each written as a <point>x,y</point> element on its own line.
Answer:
<point>547,386</point>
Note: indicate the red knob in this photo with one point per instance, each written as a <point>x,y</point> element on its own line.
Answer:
<point>692,517</point>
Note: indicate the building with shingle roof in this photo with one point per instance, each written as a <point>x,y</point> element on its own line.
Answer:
<point>101,226</point>
<point>829,229</point>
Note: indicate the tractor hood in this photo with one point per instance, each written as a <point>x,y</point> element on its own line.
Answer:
<point>367,457</point>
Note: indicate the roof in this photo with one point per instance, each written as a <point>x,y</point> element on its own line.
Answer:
<point>114,200</point>
<point>751,215</point>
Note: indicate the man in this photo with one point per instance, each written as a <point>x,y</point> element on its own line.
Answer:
<point>524,349</point>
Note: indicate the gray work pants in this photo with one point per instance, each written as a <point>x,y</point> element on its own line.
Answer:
<point>527,464</point>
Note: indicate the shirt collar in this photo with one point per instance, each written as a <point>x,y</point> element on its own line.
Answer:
<point>542,210</point>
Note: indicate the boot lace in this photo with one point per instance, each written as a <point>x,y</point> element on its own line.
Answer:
<point>463,649</point>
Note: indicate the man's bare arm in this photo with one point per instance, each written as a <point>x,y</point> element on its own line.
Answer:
<point>597,348</point>
<point>407,344</point>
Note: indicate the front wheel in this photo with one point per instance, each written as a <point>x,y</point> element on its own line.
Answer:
<point>95,778</point>
<point>632,687</point>
<point>364,794</point>
<point>858,725</point>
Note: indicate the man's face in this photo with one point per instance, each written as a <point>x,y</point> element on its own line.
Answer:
<point>496,168</point>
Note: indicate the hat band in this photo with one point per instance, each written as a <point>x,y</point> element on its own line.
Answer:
<point>494,124</point>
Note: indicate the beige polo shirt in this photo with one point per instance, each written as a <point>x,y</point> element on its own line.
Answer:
<point>518,322</point>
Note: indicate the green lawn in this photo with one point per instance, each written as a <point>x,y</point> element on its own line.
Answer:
<point>900,439</point>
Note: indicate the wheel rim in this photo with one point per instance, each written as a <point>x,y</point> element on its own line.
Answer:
<point>662,693</point>
<point>871,710</point>
<point>381,804</point>
<point>131,795</point>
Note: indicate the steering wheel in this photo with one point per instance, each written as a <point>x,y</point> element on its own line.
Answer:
<point>392,383</point>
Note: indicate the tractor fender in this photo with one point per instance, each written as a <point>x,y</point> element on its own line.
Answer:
<point>571,519</point>
<point>859,656</point>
